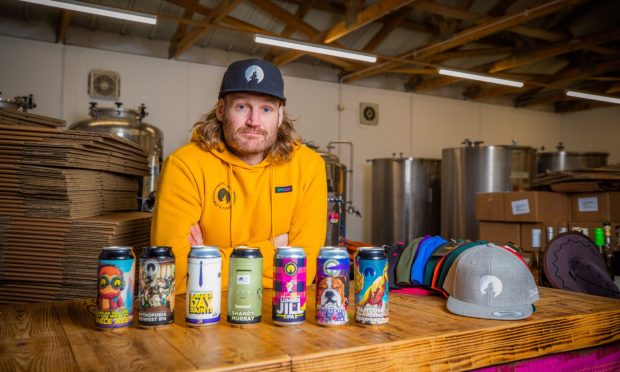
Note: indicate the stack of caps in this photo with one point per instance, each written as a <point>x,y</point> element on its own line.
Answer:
<point>62,173</point>
<point>56,259</point>
<point>479,278</point>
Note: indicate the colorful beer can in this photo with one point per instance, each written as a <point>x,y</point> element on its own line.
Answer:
<point>289,286</point>
<point>115,292</point>
<point>332,286</point>
<point>156,294</point>
<point>204,286</point>
<point>371,286</point>
<point>245,286</point>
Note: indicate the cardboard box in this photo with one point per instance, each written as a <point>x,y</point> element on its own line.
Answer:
<point>535,206</point>
<point>595,207</point>
<point>489,206</point>
<point>500,232</point>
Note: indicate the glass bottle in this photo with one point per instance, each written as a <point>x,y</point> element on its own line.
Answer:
<point>615,262</point>
<point>599,241</point>
<point>535,261</point>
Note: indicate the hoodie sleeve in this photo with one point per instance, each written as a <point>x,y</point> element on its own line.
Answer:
<point>178,206</point>
<point>309,222</point>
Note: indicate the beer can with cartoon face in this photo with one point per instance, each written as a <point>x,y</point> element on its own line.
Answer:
<point>115,290</point>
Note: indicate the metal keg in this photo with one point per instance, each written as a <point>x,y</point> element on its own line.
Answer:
<point>559,160</point>
<point>472,168</point>
<point>406,199</point>
<point>129,124</point>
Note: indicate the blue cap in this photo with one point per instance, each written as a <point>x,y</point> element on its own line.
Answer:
<point>254,76</point>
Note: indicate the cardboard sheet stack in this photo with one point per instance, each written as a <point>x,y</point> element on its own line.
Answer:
<point>62,194</point>
<point>56,259</point>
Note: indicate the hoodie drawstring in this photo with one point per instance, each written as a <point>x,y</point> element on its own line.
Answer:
<point>230,227</point>
<point>271,191</point>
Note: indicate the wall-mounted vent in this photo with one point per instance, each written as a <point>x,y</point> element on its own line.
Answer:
<point>104,84</point>
<point>369,113</point>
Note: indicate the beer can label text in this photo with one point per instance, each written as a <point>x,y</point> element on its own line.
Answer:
<point>156,295</point>
<point>289,290</point>
<point>371,291</point>
<point>204,290</point>
<point>332,291</point>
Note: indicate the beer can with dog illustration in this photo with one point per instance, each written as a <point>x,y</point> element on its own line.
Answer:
<point>332,286</point>
<point>156,290</point>
<point>204,286</point>
<point>115,290</point>
<point>371,286</point>
<point>289,286</point>
<point>245,286</point>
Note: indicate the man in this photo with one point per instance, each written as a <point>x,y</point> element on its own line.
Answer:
<point>245,178</point>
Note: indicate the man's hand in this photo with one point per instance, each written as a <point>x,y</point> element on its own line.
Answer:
<point>280,240</point>
<point>195,235</point>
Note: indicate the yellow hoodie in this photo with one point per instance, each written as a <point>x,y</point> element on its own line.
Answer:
<point>239,204</point>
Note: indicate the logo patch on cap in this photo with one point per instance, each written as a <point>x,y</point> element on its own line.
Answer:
<point>254,74</point>
<point>508,314</point>
<point>490,284</point>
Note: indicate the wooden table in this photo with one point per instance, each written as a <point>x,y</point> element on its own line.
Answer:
<point>421,334</point>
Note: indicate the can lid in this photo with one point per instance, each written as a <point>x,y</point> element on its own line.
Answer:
<point>204,251</point>
<point>157,251</point>
<point>289,248</point>
<point>246,252</point>
<point>332,247</point>
<point>117,248</point>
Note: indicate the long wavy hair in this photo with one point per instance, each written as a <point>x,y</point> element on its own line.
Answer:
<point>208,133</point>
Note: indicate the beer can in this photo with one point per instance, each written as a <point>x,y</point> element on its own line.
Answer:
<point>371,286</point>
<point>115,292</point>
<point>204,286</point>
<point>245,286</point>
<point>156,290</point>
<point>332,286</point>
<point>289,286</point>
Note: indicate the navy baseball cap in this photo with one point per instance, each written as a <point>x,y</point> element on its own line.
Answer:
<point>254,76</point>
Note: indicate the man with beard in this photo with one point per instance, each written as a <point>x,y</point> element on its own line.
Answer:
<point>245,179</point>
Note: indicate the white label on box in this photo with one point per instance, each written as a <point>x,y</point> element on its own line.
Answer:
<point>587,204</point>
<point>521,206</point>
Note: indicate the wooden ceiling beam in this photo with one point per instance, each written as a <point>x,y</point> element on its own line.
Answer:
<point>291,20</point>
<point>391,23</point>
<point>339,30</point>
<point>469,53</point>
<point>615,88</point>
<point>296,23</point>
<point>557,49</point>
<point>63,26</point>
<point>465,15</point>
<point>466,36</point>
<point>181,28</point>
<point>217,14</point>
<point>301,12</point>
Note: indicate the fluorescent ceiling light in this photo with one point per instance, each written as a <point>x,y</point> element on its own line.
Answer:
<point>594,97</point>
<point>486,78</point>
<point>98,10</point>
<point>314,48</point>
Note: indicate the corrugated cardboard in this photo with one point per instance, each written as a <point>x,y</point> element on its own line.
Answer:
<point>490,206</point>
<point>500,232</point>
<point>535,206</point>
<point>595,207</point>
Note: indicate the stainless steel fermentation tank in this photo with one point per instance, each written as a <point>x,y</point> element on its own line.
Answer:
<point>569,160</point>
<point>406,199</point>
<point>337,203</point>
<point>19,103</point>
<point>474,168</point>
<point>129,124</point>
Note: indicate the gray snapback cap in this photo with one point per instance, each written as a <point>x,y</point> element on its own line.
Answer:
<point>490,282</point>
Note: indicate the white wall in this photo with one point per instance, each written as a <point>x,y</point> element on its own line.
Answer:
<point>177,93</point>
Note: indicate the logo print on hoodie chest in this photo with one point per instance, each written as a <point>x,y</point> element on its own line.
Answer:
<point>223,196</point>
